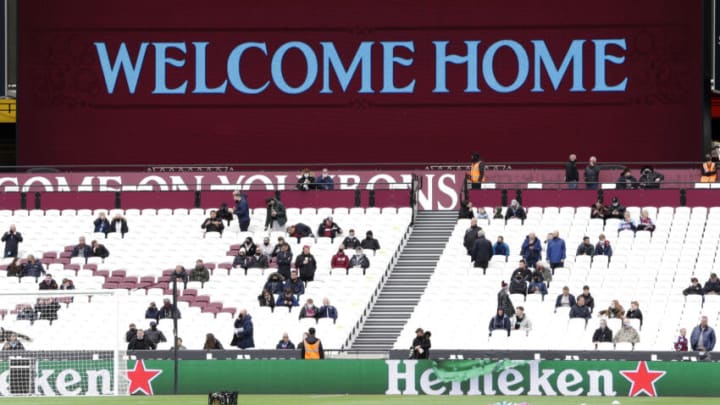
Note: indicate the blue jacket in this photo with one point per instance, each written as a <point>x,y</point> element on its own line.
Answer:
<point>500,323</point>
<point>580,312</point>
<point>709,341</point>
<point>325,183</point>
<point>603,249</point>
<point>33,269</point>
<point>501,249</point>
<point>297,287</point>
<point>243,337</point>
<point>328,312</point>
<point>87,251</point>
<point>242,210</point>
<point>281,300</point>
<point>531,256</point>
<point>102,225</point>
<point>559,299</point>
<point>556,250</point>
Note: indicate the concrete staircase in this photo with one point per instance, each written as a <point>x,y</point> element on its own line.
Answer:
<point>407,281</point>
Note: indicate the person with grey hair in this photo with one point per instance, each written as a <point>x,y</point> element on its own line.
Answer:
<point>627,334</point>
<point>602,334</point>
<point>702,338</point>
<point>515,210</point>
<point>591,174</point>
<point>482,252</point>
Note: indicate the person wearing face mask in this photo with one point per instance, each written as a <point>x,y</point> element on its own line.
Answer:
<point>258,261</point>
<point>249,246</point>
<point>359,260</point>
<point>350,241</point>
<point>241,260</point>
<point>340,260</point>
<point>295,284</point>
<point>284,260</point>
<point>325,181</point>
<point>306,181</point>
<point>268,248</point>
<point>329,229</point>
<point>309,310</point>
<point>370,243</point>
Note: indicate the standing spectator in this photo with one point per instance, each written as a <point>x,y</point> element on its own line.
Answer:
<point>276,217</point>
<point>306,181</point>
<point>571,172</point>
<point>645,223</point>
<point>325,181</point>
<point>200,273</point>
<point>12,239</point>
<point>287,299</point>
<point>627,334</point>
<point>603,248</point>
<point>309,310</point>
<point>531,250</point>
<point>420,345</point>
<point>243,336</point>
<point>588,298</point>
<point>702,338</point>
<point>211,343</point>
<point>284,260</point>
<point>166,312</point>
<point>213,223</point>
<point>299,231</point>
<point>579,310</point>
<point>626,181</point>
<point>522,271</point>
<point>33,268</point>
<point>327,310</point>
<point>311,348</point>
<point>634,312</point>
<point>81,249</point>
<point>154,334</point>
<point>592,174</point>
<point>13,344</point>
<point>294,284</point>
<point>258,261</point>
<point>482,252</point>
<point>340,260</point>
<point>520,321</point>
<point>695,288</point>
<point>615,310</point>
<point>67,284</point>
<point>329,229</point>
<point>650,179</point>
<point>602,334</point>
<point>709,171</point>
<point>98,250</point>
<point>499,322</point>
<point>305,262</point>
<point>501,248</point>
<point>476,175</point>
<point>466,210</point>
<point>152,312</point>
<point>242,210</point>
<point>370,243</point>
<point>241,260</point>
<point>515,210</point>
<point>565,299</point>
<point>359,260</point>
<point>140,342</point>
<point>119,224</point>
<point>48,283</point>
<point>180,275</point>
<point>101,224</point>
<point>681,343</point>
<point>285,343</point>
<point>556,251</point>
<point>224,213</point>
<point>712,286</point>
<point>471,235</point>
<point>266,299</point>
<point>504,301</point>
<point>585,248</point>
<point>350,241</point>
<point>249,246</point>
<point>276,283</point>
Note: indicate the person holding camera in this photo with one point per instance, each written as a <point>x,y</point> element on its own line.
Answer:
<point>12,239</point>
<point>420,348</point>
<point>242,210</point>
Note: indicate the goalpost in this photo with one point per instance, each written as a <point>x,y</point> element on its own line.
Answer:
<point>61,343</point>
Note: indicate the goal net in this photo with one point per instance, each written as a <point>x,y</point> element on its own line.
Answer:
<point>60,343</point>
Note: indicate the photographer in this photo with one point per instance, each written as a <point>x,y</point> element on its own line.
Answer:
<point>12,239</point>
<point>242,210</point>
<point>420,348</point>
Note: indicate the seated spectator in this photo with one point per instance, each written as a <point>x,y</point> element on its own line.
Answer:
<point>140,342</point>
<point>284,260</point>
<point>98,250</point>
<point>213,223</point>
<point>299,231</point>
<point>481,252</point>
<point>306,264</point>
<point>579,310</point>
<point>565,299</point>
<point>359,260</point>
<point>15,268</point>
<point>180,275</point>
<point>47,309</point>
<point>522,271</point>
<point>518,285</point>
<point>466,210</point>
<point>119,224</point>
<point>712,286</point>
<point>306,181</point>
<point>67,284</point>
<point>295,284</point>
<point>650,179</point>
<point>585,248</point>
<point>481,214</point>
<point>166,312</point>
<point>340,260</point>
<point>152,312</point>
<point>211,343</point>
<point>500,248</point>
<point>546,273</point>
<point>602,334</point>
<point>81,249</point>
<point>224,214</point>
<point>350,241</point>
<point>329,229</point>
<point>101,224</point>
<point>626,181</point>
<point>645,223</point>
<point>287,299</point>
<point>520,321</point>
<point>13,344</point>
<point>33,268</point>
<point>627,334</point>
<point>268,248</point>
<point>370,243</point>
<point>471,235</point>
<point>603,248</point>
<point>266,299</point>
<point>178,344</point>
<point>309,310</point>
<point>26,313</point>
<point>708,171</point>
<point>627,224</point>
<point>681,343</point>
<point>327,310</point>
<point>515,210</point>
<point>498,213</point>
<point>249,246</point>
<point>154,334</point>
<point>199,273</point>
<point>695,288</point>
<point>615,209</point>
<point>275,283</point>
<point>634,312</point>
<point>325,181</point>
<point>285,343</point>
<point>278,246</point>
<point>48,283</point>
<point>615,310</point>
<point>588,298</point>
<point>500,321</point>
<point>537,284</point>
<point>241,261</point>
<point>599,211</point>
<point>531,250</point>
<point>258,261</point>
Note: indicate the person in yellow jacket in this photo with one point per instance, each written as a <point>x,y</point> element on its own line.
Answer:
<point>311,347</point>
<point>476,175</point>
<point>709,171</point>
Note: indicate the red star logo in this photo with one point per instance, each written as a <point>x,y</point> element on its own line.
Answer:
<point>141,378</point>
<point>642,379</point>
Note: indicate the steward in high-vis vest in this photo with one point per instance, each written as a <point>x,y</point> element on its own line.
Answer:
<point>311,348</point>
<point>476,175</point>
<point>709,171</point>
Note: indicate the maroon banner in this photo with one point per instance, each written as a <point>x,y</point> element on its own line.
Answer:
<point>177,81</point>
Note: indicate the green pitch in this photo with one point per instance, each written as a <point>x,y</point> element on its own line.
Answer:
<point>354,400</point>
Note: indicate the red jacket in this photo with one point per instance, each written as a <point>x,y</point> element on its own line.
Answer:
<point>340,260</point>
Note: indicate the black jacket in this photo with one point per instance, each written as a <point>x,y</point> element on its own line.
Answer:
<point>694,290</point>
<point>143,344</point>
<point>626,183</point>
<point>306,270</point>
<point>370,243</point>
<point>518,286</point>
<point>11,243</point>
<point>482,251</point>
<point>465,213</point>
<point>571,171</point>
<point>100,251</point>
<point>351,242</point>
<point>602,335</point>
<point>424,343</point>
<point>471,235</point>
<point>119,225</point>
<point>592,174</point>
